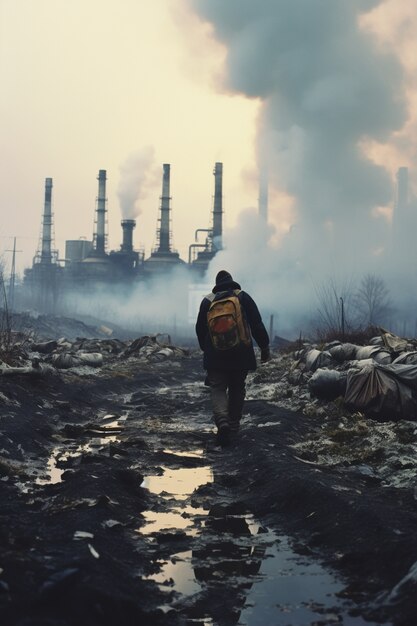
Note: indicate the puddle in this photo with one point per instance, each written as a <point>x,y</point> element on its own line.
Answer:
<point>295,590</point>
<point>60,455</point>
<point>105,433</point>
<point>176,519</point>
<point>266,582</point>
<point>178,573</point>
<point>237,570</point>
<point>179,483</point>
<point>53,473</point>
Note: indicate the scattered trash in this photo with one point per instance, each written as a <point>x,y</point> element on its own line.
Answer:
<point>328,384</point>
<point>93,551</point>
<point>81,534</point>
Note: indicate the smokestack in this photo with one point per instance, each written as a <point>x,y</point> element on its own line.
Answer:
<point>263,194</point>
<point>164,242</point>
<point>46,252</point>
<point>403,222</point>
<point>100,237</point>
<point>401,199</point>
<point>128,226</point>
<point>218,206</point>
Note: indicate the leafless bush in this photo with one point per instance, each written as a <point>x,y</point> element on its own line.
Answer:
<point>12,344</point>
<point>5,320</point>
<point>372,300</point>
<point>335,309</point>
<point>359,336</point>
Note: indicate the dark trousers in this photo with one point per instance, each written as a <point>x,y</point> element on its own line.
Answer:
<point>227,388</point>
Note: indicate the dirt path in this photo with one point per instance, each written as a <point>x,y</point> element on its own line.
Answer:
<point>117,507</point>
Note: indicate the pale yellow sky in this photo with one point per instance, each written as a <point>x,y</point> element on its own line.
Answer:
<point>87,83</point>
<point>393,24</point>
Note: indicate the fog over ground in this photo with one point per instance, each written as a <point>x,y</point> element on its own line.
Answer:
<point>337,118</point>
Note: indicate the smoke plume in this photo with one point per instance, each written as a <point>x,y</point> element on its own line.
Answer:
<point>137,177</point>
<point>327,89</point>
<point>324,87</point>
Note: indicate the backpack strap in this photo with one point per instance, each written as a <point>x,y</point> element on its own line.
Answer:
<point>222,294</point>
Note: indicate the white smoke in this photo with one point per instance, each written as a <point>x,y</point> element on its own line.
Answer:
<point>137,177</point>
<point>326,89</point>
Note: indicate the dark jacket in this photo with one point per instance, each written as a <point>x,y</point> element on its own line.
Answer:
<point>243,358</point>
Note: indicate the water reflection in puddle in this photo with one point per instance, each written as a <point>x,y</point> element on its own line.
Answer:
<point>178,484</point>
<point>111,425</point>
<point>178,573</point>
<point>295,590</point>
<point>181,519</point>
<point>237,571</point>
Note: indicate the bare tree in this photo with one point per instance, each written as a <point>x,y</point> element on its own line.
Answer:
<point>334,310</point>
<point>373,301</point>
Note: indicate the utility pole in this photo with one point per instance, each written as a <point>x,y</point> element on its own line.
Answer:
<point>12,280</point>
<point>343,318</point>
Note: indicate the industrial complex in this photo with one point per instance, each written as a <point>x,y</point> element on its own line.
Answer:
<point>89,264</point>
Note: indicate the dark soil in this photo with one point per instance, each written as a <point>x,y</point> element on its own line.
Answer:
<point>365,532</point>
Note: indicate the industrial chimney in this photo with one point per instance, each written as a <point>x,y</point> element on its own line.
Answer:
<point>263,194</point>
<point>164,242</point>
<point>46,249</point>
<point>218,206</point>
<point>128,227</point>
<point>163,259</point>
<point>403,219</point>
<point>100,236</point>
<point>401,199</point>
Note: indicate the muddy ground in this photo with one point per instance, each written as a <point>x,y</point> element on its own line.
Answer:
<point>118,507</point>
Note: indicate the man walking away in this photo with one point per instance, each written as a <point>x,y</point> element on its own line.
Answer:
<point>227,320</point>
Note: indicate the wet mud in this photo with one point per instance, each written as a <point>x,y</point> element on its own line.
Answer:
<point>118,507</point>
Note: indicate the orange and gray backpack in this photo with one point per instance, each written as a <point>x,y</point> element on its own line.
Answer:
<point>226,321</point>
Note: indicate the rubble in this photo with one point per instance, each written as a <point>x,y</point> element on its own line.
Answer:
<point>379,379</point>
<point>83,452</point>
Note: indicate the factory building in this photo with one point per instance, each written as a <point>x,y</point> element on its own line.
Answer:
<point>88,263</point>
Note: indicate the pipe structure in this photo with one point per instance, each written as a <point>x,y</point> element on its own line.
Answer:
<point>164,242</point>
<point>127,227</point>
<point>46,249</point>
<point>100,237</point>
<point>201,230</point>
<point>192,247</point>
<point>218,206</point>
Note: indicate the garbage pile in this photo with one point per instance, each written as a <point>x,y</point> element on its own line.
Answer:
<point>86,354</point>
<point>378,379</point>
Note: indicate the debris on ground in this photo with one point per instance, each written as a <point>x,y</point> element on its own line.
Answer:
<point>119,507</point>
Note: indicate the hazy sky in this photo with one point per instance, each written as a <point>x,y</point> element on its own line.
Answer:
<point>102,84</point>
<point>87,84</point>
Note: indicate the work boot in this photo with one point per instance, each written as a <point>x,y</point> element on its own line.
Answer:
<point>234,426</point>
<point>223,431</point>
<point>223,435</point>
